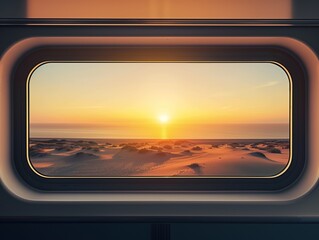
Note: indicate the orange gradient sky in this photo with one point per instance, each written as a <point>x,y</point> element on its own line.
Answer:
<point>129,99</point>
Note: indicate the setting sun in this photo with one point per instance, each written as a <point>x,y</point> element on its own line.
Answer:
<point>164,118</point>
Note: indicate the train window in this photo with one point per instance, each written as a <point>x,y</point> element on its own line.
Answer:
<point>169,117</point>
<point>159,119</point>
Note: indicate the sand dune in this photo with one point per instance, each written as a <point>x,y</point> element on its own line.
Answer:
<point>240,158</point>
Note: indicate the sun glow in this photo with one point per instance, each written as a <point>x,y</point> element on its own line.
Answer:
<point>163,118</point>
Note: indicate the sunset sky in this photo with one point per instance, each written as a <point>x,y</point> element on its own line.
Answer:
<point>130,100</point>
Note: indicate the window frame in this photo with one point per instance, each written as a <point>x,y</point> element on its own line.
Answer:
<point>267,53</point>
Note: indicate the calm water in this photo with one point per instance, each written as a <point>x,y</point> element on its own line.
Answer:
<point>208,131</point>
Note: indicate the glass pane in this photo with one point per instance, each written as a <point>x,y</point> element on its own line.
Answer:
<point>176,119</point>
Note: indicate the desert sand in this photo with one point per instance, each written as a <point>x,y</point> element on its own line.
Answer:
<point>167,158</point>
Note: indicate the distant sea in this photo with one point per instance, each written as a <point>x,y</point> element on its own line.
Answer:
<point>207,131</point>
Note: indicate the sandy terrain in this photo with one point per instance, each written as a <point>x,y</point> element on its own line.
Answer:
<point>107,158</point>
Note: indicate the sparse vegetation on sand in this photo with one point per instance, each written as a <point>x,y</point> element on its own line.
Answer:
<point>273,150</point>
<point>187,151</point>
<point>258,154</point>
<point>196,168</point>
<point>129,148</point>
<point>197,148</point>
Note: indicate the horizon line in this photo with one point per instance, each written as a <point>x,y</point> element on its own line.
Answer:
<point>161,139</point>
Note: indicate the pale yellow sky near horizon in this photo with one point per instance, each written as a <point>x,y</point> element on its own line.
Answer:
<point>138,94</point>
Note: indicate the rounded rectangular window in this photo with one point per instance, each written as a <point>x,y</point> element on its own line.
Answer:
<point>160,119</point>
<point>168,117</point>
